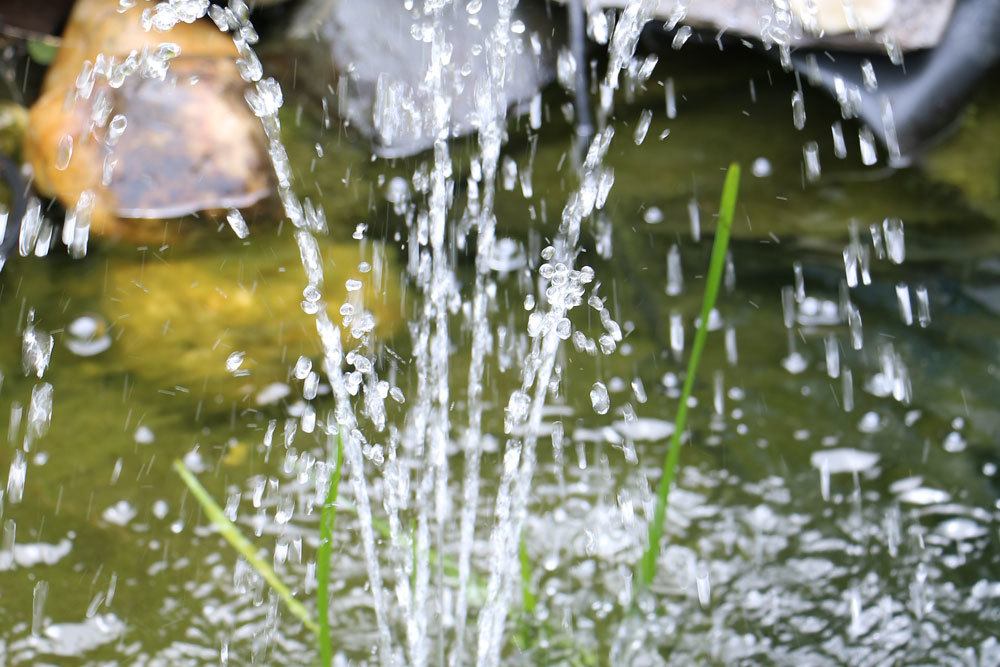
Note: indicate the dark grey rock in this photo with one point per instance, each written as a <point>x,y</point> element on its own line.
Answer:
<point>375,46</point>
<point>912,24</point>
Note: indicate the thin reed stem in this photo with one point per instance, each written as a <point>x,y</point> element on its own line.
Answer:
<point>327,520</point>
<point>232,534</point>
<point>717,264</point>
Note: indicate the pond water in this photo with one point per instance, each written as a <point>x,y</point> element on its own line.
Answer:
<point>815,520</point>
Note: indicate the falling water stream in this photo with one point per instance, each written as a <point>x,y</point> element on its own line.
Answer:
<point>497,330</point>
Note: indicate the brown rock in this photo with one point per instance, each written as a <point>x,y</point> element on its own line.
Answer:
<point>190,143</point>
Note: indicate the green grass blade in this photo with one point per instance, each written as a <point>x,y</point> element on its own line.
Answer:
<point>326,523</point>
<point>42,51</point>
<point>528,599</point>
<point>717,265</point>
<point>232,534</point>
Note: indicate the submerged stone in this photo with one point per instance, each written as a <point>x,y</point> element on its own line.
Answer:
<point>185,323</point>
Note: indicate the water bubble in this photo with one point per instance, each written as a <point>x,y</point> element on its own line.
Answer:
<point>644,429</point>
<point>954,442</point>
<point>960,529</point>
<point>144,436</point>
<point>120,514</point>
<point>844,460</point>
<point>88,335</point>
<point>652,215</point>
<point>870,422</point>
<point>761,167</point>
<point>794,362</point>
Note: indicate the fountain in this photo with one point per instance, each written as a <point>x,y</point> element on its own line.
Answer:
<point>499,453</point>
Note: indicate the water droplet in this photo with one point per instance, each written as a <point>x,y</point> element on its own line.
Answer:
<point>923,306</point>
<point>839,144</point>
<point>895,245</point>
<point>675,277</point>
<point>798,110</point>
<point>38,597</point>
<point>903,299</point>
<point>64,152</point>
<point>866,141</point>
<point>810,153</point>
<point>642,126</point>
<point>671,98</point>
<point>599,398</point>
<point>237,223</point>
<point>234,361</point>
